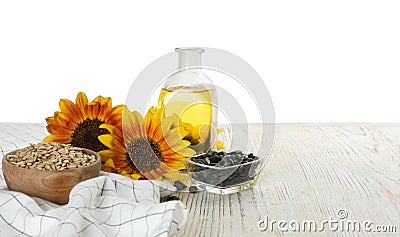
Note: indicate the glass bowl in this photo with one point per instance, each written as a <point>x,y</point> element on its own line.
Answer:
<point>223,178</point>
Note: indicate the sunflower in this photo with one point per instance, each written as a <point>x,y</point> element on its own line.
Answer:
<point>197,135</point>
<point>146,148</point>
<point>79,123</point>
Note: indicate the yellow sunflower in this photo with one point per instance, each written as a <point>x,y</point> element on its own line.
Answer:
<point>197,135</point>
<point>146,147</point>
<point>79,123</point>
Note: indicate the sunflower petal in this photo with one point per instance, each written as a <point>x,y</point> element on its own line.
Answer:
<point>139,123</point>
<point>111,154</point>
<point>220,145</point>
<point>64,121</point>
<point>175,147</point>
<point>156,175</point>
<point>106,101</point>
<point>107,140</point>
<point>173,135</point>
<point>81,101</point>
<point>58,130</point>
<point>105,108</point>
<point>149,176</point>
<point>57,138</point>
<point>122,164</point>
<point>185,129</point>
<point>117,111</point>
<point>50,120</point>
<point>148,120</point>
<point>109,163</point>
<point>173,175</point>
<point>136,176</point>
<point>156,119</point>
<point>177,165</point>
<point>132,125</point>
<point>175,121</point>
<point>158,134</point>
<point>187,152</point>
<point>69,108</point>
<point>98,99</point>
<point>153,127</point>
<point>166,124</point>
<point>93,110</point>
<point>112,129</point>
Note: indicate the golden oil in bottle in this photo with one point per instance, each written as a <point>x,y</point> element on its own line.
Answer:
<point>194,107</point>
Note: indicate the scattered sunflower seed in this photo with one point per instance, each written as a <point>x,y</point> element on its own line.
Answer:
<point>171,198</point>
<point>193,189</point>
<point>179,185</point>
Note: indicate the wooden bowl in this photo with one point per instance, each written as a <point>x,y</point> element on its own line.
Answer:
<point>52,185</point>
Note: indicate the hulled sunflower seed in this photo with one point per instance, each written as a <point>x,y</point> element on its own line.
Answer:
<point>51,156</point>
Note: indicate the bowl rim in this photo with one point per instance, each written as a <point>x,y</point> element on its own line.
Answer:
<point>87,151</point>
<point>188,160</point>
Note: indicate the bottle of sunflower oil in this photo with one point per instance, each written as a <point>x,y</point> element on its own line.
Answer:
<point>190,94</point>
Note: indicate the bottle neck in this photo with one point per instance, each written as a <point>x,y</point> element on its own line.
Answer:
<point>189,57</point>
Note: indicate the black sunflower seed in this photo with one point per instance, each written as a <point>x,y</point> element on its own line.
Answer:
<point>193,189</point>
<point>249,163</point>
<point>179,185</point>
<point>215,159</point>
<point>172,198</point>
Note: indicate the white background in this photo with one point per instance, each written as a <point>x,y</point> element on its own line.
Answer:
<point>322,61</point>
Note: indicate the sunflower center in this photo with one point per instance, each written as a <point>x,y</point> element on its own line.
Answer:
<point>144,154</point>
<point>86,135</point>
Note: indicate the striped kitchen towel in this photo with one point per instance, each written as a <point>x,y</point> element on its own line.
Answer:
<point>109,205</point>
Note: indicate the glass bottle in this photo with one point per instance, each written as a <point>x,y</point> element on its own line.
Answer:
<point>191,95</point>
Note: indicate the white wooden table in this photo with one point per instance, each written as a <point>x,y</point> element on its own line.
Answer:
<point>314,172</point>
